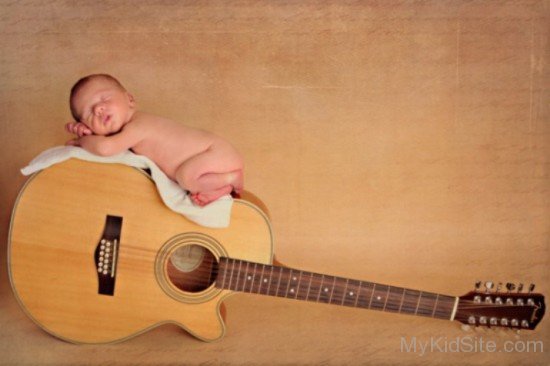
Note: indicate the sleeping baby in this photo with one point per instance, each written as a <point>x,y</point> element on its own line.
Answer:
<point>108,122</point>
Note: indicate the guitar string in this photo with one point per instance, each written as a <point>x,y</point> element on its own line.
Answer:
<point>207,273</point>
<point>200,278</point>
<point>211,261</point>
<point>405,303</point>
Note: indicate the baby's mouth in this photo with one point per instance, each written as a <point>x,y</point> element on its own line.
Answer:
<point>106,119</point>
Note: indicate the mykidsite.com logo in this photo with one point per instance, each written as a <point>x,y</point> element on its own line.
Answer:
<point>467,344</point>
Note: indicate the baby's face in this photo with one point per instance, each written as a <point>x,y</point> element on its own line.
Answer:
<point>103,106</point>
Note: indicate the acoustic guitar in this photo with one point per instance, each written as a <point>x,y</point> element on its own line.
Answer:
<point>96,257</point>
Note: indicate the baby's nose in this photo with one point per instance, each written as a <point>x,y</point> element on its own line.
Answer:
<point>99,108</point>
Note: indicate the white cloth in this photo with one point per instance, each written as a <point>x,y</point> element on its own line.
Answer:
<point>216,214</point>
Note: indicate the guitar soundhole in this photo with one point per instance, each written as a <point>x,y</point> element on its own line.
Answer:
<point>192,268</point>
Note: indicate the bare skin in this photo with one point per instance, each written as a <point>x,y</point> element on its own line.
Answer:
<point>200,162</point>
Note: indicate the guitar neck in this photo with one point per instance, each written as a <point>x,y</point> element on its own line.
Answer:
<point>263,279</point>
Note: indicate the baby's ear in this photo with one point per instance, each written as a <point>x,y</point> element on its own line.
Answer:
<point>131,99</point>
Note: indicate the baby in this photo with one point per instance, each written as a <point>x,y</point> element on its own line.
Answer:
<point>107,123</point>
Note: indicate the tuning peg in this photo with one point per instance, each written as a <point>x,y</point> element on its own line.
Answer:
<point>531,287</point>
<point>489,285</point>
<point>478,285</point>
<point>520,287</point>
<point>499,286</point>
<point>510,287</point>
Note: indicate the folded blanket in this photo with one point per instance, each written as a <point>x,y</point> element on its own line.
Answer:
<point>216,214</point>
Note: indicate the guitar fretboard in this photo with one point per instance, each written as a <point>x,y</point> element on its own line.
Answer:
<point>243,276</point>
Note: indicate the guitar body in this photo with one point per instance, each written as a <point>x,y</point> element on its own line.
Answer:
<point>55,236</point>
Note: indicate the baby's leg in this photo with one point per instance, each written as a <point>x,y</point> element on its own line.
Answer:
<point>211,174</point>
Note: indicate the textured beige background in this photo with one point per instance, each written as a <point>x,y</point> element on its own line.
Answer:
<point>399,142</point>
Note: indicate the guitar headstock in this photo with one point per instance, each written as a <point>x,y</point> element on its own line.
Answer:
<point>511,308</point>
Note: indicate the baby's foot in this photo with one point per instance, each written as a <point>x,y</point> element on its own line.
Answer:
<point>237,181</point>
<point>204,198</point>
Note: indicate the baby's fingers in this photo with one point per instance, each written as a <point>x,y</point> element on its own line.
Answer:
<point>69,127</point>
<point>83,130</point>
<point>78,129</point>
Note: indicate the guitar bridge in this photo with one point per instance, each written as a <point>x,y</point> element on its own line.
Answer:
<point>106,255</point>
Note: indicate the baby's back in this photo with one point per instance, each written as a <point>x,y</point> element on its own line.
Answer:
<point>169,143</point>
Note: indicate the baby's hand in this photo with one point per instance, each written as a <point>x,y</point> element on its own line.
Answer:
<point>79,129</point>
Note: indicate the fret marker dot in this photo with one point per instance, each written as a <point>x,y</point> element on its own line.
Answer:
<point>378,298</point>
<point>326,289</point>
<point>292,290</point>
<point>265,280</point>
<point>351,293</point>
<point>294,278</point>
<point>249,278</point>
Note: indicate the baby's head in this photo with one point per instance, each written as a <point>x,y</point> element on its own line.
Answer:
<point>101,103</point>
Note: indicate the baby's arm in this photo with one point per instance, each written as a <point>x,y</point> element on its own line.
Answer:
<point>127,138</point>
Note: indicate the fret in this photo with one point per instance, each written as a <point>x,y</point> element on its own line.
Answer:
<point>315,287</point>
<point>395,295</point>
<point>378,297</point>
<point>270,280</point>
<point>410,302</point>
<point>253,280</point>
<point>358,294</point>
<point>273,283</point>
<point>366,292</point>
<point>263,282</point>
<point>293,280</point>
<point>326,290</point>
<point>295,283</point>
<point>435,305</point>
<point>338,288</point>
<point>331,289</point>
<point>244,276</point>
<point>345,292</point>
<point>253,277</point>
<point>279,281</point>
<point>352,293</point>
<point>288,283</point>
<point>298,292</point>
<point>426,304</point>
<point>283,286</point>
<point>246,279</point>
<point>372,295</point>
<point>223,262</point>
<point>418,303</point>
<point>387,297</point>
<point>238,275</point>
<point>402,300</point>
<point>257,284</point>
<point>303,285</point>
<point>309,286</point>
<point>231,276</point>
<point>283,283</point>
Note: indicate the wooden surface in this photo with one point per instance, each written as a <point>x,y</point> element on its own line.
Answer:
<point>397,142</point>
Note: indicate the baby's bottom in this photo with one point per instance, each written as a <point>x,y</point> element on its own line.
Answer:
<point>211,174</point>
